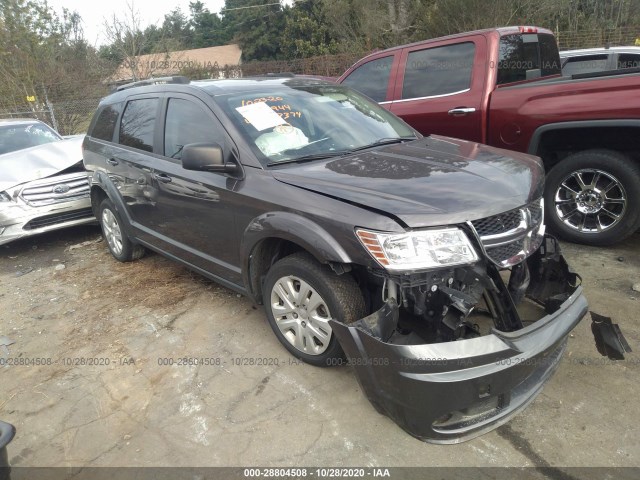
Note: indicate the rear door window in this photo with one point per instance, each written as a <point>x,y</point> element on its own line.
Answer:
<point>138,124</point>
<point>372,78</point>
<point>585,64</point>
<point>438,71</point>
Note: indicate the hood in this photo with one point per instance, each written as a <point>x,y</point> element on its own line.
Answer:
<point>428,182</point>
<point>39,162</point>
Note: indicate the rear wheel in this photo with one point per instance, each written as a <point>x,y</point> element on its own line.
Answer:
<point>593,197</point>
<point>119,244</point>
<point>300,297</point>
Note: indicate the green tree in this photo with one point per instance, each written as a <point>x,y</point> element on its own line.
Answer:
<point>307,32</point>
<point>255,25</point>
<point>206,28</point>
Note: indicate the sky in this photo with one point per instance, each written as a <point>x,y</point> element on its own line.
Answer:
<point>94,12</point>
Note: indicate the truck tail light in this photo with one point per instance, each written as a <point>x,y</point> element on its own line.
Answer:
<point>528,29</point>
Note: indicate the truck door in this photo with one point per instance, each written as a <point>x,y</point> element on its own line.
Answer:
<point>439,89</point>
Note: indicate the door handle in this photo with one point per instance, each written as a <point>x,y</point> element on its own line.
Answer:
<point>162,177</point>
<point>112,161</point>
<point>461,111</point>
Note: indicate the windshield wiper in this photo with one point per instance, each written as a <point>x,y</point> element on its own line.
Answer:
<point>382,141</point>
<point>321,156</point>
<point>307,158</point>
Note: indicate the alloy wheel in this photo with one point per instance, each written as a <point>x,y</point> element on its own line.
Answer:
<point>112,231</point>
<point>301,314</point>
<point>590,201</point>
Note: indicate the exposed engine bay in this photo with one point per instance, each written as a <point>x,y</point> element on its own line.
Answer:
<point>467,302</point>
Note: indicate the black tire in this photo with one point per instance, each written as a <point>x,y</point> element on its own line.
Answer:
<point>339,293</point>
<point>128,250</point>
<point>611,165</point>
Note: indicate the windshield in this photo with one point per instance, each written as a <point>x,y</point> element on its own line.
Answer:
<point>288,123</point>
<point>21,136</point>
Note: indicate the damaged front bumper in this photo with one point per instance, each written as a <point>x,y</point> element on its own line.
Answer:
<point>449,392</point>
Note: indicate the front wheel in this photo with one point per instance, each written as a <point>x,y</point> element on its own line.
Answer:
<point>300,297</point>
<point>593,197</point>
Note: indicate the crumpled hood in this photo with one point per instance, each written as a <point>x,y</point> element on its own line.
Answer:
<point>38,162</point>
<point>433,181</point>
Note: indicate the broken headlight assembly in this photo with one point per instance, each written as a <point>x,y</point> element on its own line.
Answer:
<point>418,249</point>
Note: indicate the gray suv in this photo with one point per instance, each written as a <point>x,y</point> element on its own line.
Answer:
<point>423,259</point>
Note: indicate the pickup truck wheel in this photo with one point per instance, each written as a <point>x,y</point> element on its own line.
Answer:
<point>592,197</point>
<point>122,249</point>
<point>300,297</point>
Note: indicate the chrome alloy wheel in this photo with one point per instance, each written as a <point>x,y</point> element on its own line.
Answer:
<point>112,231</point>
<point>590,201</point>
<point>301,314</point>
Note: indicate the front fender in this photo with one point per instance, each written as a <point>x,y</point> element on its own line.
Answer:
<point>294,228</point>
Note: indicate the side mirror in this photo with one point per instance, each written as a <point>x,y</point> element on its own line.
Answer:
<point>207,157</point>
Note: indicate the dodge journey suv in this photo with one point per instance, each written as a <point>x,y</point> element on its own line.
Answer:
<point>422,259</point>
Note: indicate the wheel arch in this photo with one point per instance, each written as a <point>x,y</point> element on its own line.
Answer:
<point>103,187</point>
<point>556,141</point>
<point>273,236</point>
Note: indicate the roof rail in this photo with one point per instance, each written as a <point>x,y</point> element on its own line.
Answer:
<point>273,74</point>
<point>154,81</point>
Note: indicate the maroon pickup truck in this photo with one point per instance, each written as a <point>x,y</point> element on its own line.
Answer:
<point>504,87</point>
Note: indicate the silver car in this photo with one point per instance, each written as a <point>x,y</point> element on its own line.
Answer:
<point>591,60</point>
<point>43,184</point>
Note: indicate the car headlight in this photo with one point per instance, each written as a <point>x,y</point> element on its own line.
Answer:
<point>419,249</point>
<point>4,197</point>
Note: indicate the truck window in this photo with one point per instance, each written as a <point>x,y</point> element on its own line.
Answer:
<point>527,56</point>
<point>585,64</point>
<point>628,60</point>
<point>438,71</point>
<point>371,78</point>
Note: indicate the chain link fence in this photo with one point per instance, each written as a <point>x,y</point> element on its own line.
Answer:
<point>67,113</point>
<point>603,37</point>
<point>71,113</point>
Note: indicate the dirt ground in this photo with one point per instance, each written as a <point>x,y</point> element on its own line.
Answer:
<point>115,386</point>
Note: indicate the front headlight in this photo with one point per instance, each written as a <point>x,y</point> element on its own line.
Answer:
<point>419,249</point>
<point>4,197</point>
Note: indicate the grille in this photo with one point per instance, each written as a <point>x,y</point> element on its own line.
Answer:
<point>505,252</point>
<point>501,228</point>
<point>42,192</point>
<point>56,218</point>
<point>498,224</point>
<point>535,209</point>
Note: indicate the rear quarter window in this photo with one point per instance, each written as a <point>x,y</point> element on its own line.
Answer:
<point>105,124</point>
<point>629,60</point>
